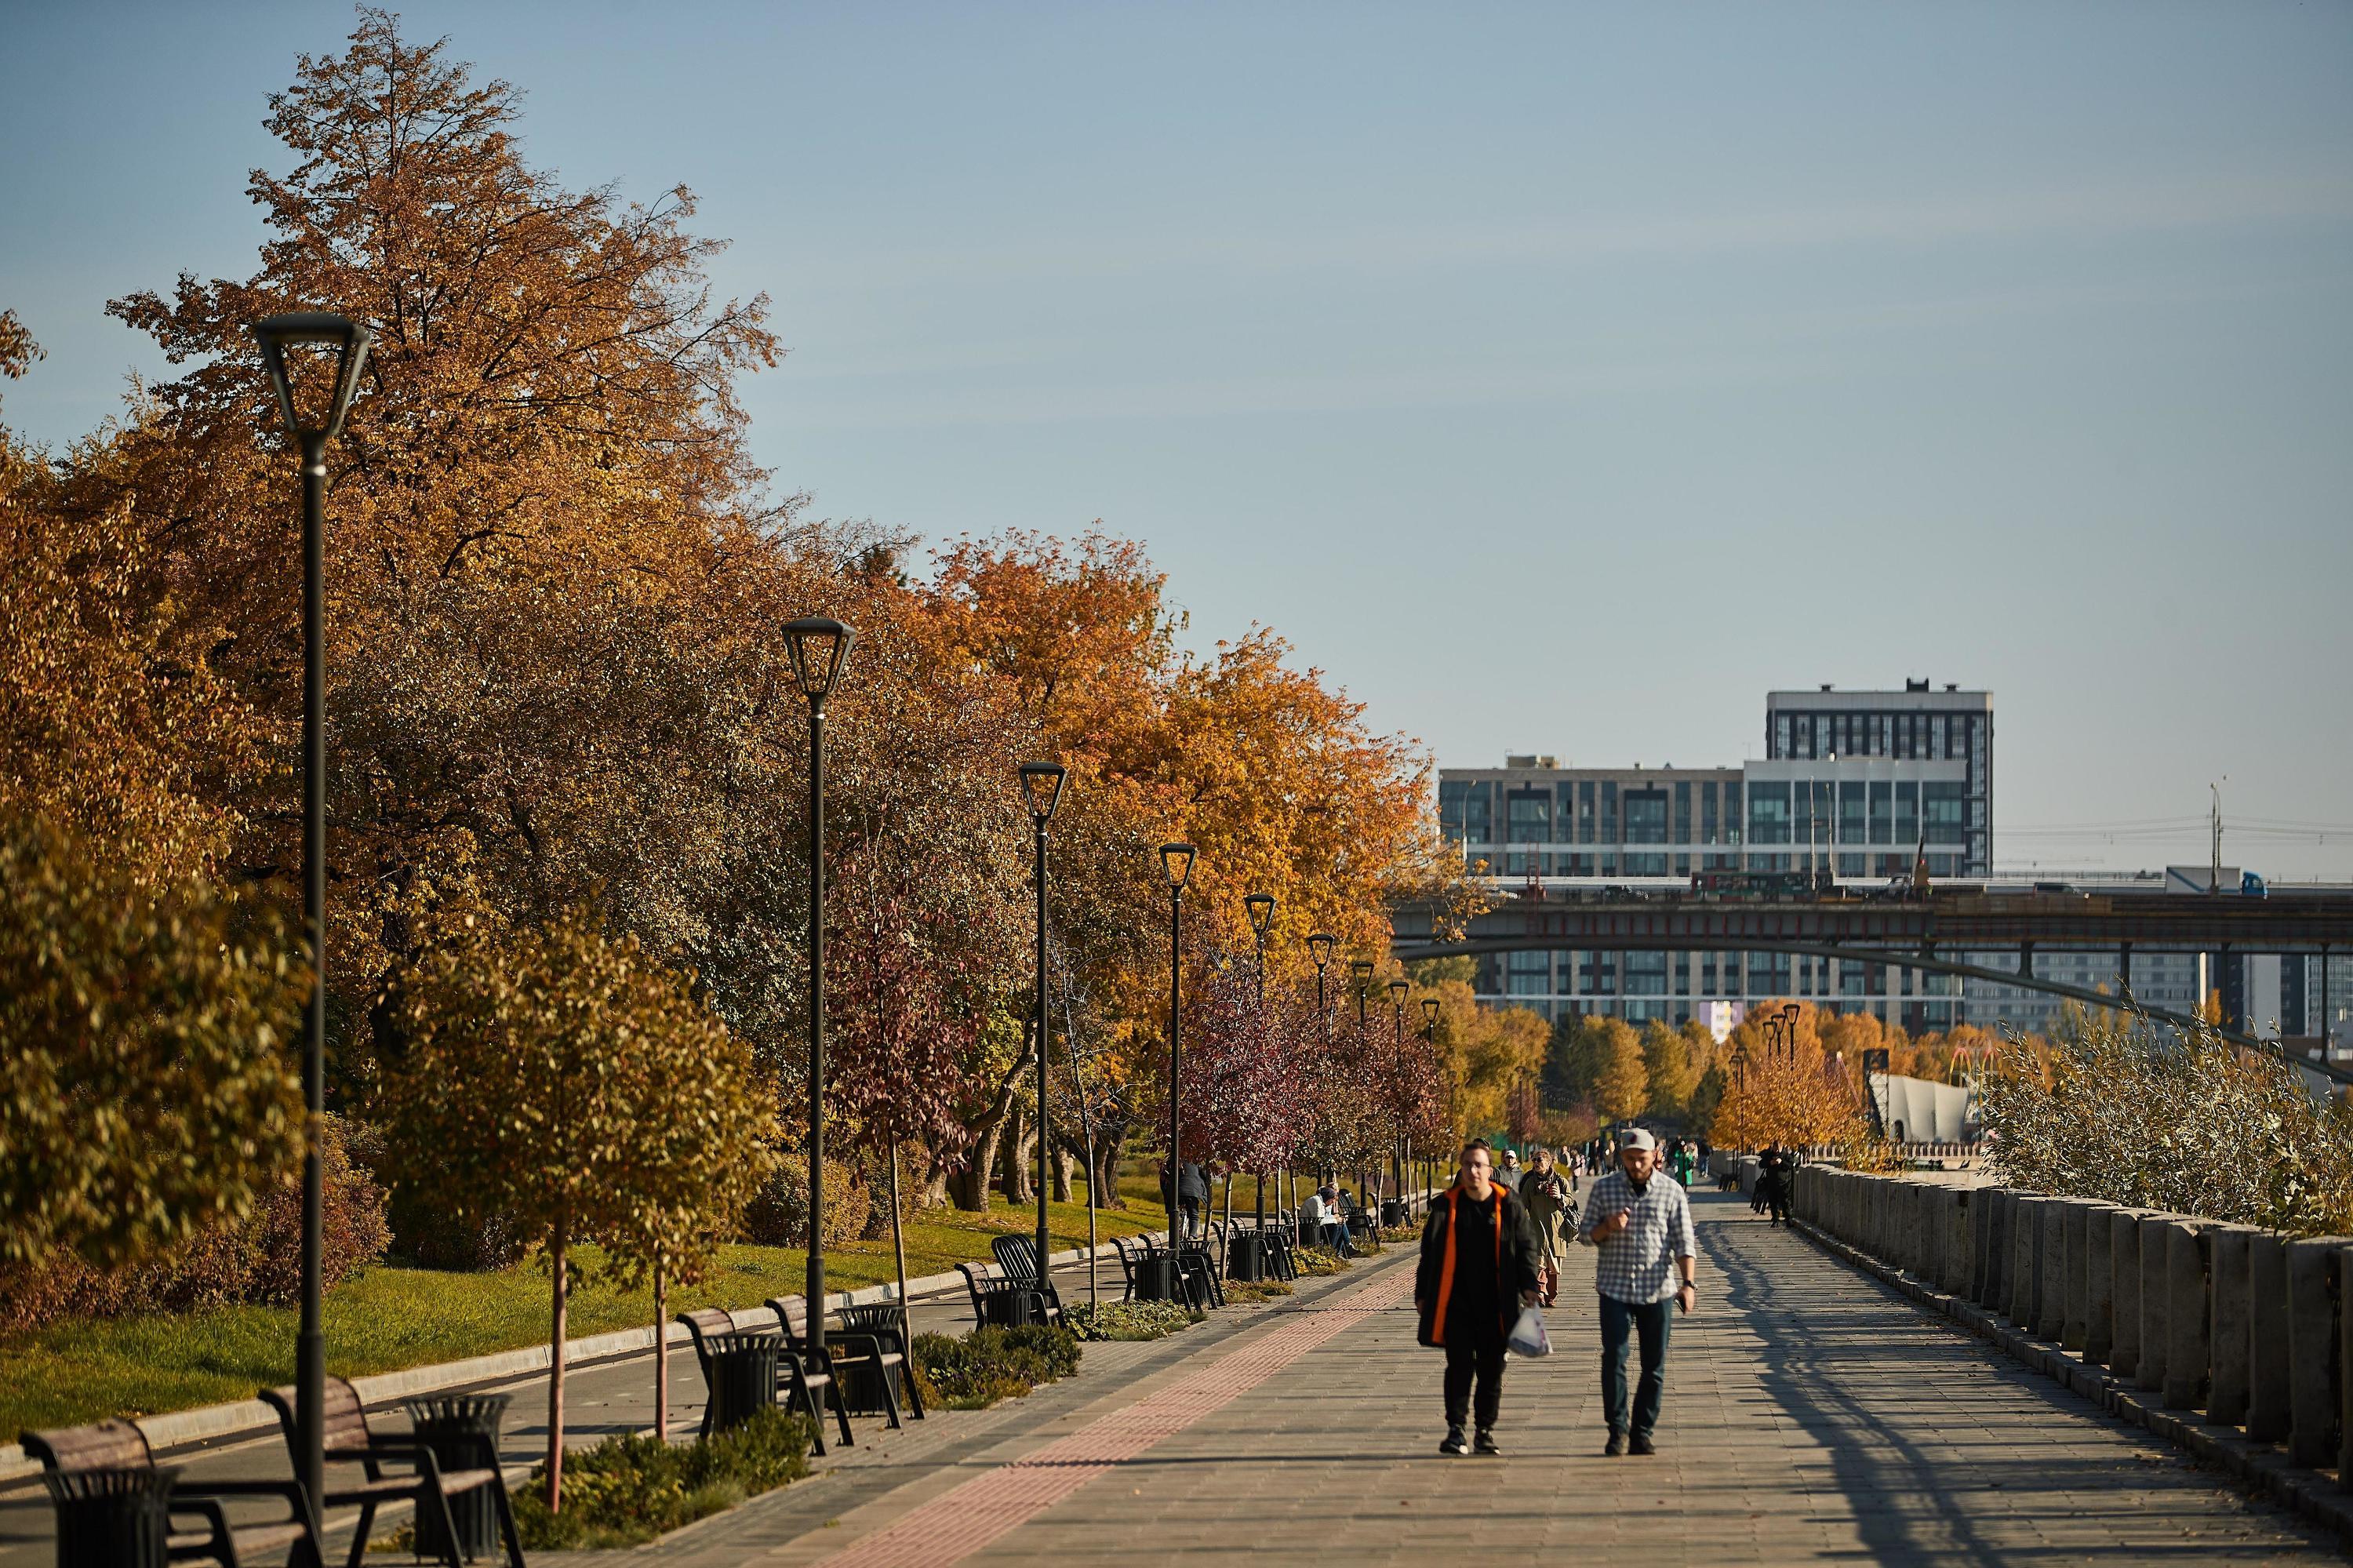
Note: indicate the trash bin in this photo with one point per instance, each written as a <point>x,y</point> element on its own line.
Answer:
<point>461,1430</point>
<point>742,1377</point>
<point>113,1516</point>
<point>1156,1278</point>
<point>1392,1213</point>
<point>1246,1258</point>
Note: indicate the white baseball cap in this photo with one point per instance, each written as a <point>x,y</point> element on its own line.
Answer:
<point>1637,1137</point>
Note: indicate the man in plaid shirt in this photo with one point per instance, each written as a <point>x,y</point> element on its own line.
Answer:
<point>1644,1229</point>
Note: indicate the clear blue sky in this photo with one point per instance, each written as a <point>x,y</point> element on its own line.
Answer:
<point>1558,379</point>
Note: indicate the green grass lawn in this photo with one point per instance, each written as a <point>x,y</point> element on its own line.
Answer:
<point>387,1318</point>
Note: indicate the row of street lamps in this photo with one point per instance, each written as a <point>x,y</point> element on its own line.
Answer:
<point>816,649</point>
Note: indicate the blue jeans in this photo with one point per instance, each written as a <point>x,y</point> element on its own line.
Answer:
<point>1621,1320</point>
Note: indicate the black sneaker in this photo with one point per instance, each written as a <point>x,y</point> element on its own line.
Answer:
<point>1616,1446</point>
<point>1484,1443</point>
<point>1454,1443</point>
<point>1643,1444</point>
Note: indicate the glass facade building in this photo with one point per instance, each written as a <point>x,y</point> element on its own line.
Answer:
<point>1855,784</point>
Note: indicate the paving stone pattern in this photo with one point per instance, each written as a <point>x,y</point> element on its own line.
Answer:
<point>1811,1415</point>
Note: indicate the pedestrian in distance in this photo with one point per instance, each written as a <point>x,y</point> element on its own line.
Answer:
<point>1774,1180</point>
<point>1551,1210</point>
<point>1642,1226</point>
<point>1478,1268</point>
<point>1507,1175</point>
<point>1192,1192</point>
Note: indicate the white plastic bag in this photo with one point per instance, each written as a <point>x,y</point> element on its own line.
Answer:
<point>1528,1337</point>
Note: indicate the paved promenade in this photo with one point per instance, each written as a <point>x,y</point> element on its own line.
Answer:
<point>1811,1415</point>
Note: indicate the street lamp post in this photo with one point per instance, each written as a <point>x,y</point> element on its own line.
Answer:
<point>1319,948</point>
<point>1430,1035</point>
<point>1041,786</point>
<point>1176,861</point>
<point>1360,971</point>
<point>816,648</point>
<point>1397,987</point>
<point>1260,909</point>
<point>314,422</point>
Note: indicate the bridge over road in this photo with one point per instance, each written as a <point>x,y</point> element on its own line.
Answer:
<point>1941,933</point>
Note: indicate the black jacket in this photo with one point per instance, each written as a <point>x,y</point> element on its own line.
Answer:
<point>1515,1265</point>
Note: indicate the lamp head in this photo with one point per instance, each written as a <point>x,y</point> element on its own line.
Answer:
<point>1319,948</point>
<point>1360,970</point>
<point>328,376</point>
<point>1176,860</point>
<point>1429,1010</point>
<point>1041,786</point>
<point>818,649</point>
<point>1397,988</point>
<point>1262,915</point>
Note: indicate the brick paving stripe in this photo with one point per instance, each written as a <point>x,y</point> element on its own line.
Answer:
<point>960,1522</point>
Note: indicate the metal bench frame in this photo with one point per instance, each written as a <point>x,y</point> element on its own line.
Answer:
<point>349,1440</point>
<point>119,1445</point>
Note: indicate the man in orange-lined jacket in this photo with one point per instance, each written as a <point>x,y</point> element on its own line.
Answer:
<point>1478,1262</point>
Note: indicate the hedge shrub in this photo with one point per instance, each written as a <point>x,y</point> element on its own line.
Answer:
<point>1128,1319</point>
<point>990,1364</point>
<point>628,1490</point>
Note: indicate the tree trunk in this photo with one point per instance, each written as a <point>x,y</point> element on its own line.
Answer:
<point>969,1188</point>
<point>1063,1166</point>
<point>1105,1176</point>
<point>1020,1159</point>
<point>555,1374</point>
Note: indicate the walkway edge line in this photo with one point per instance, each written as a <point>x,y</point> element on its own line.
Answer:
<point>2260,1466</point>
<point>243,1418</point>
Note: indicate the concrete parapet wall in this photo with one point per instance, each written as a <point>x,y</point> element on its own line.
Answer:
<point>2160,1312</point>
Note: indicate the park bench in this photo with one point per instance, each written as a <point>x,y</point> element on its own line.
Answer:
<point>999,1302</point>
<point>1017,1256</point>
<point>349,1440</point>
<point>885,1322</point>
<point>798,1380</point>
<point>875,1357</point>
<point>84,1463</point>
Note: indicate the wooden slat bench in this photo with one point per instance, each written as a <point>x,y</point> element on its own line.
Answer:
<point>349,1440</point>
<point>119,1445</point>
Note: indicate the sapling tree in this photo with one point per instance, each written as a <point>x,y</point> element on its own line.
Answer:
<point>563,1080</point>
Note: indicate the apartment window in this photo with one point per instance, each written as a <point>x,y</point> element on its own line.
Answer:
<point>1463,812</point>
<point>1646,864</point>
<point>1646,816</point>
<point>1707,804</point>
<point>1941,806</point>
<point>1585,812</point>
<point>1531,818</point>
<point>1529,974</point>
<point>1610,814</point>
<point>1907,812</point>
<point>1780,734</point>
<point>1683,813</point>
<point>1732,813</point>
<point>1769,814</point>
<point>1852,865</point>
<point>1853,813</point>
<point>1646,974</point>
<point>1882,812</point>
<point>1769,974</point>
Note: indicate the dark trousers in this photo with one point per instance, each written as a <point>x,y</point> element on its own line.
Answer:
<point>1462,1362</point>
<point>1619,1321</point>
<point>1780,1204</point>
<point>1188,1211</point>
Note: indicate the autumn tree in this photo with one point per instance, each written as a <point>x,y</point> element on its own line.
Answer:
<point>543,547</point>
<point>1621,1083</point>
<point>1671,1069</point>
<point>147,1090</point>
<point>1785,1088</point>
<point>555,1077</point>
